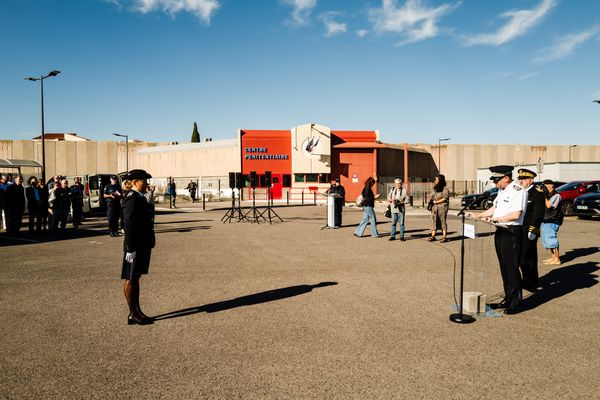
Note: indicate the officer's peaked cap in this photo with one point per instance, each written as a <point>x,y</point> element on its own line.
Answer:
<point>525,173</point>
<point>500,171</point>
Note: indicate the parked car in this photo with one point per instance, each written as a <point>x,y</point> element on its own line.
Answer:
<point>570,191</point>
<point>587,206</point>
<point>478,200</point>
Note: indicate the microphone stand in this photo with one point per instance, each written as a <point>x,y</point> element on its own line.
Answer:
<point>459,317</point>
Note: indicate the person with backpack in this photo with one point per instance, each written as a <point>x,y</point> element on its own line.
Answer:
<point>368,204</point>
<point>552,221</point>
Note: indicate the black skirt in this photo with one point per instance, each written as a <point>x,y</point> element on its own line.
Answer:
<point>138,267</point>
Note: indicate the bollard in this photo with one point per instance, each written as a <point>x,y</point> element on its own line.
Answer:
<point>302,196</point>
<point>410,200</point>
<point>287,197</point>
<point>203,201</point>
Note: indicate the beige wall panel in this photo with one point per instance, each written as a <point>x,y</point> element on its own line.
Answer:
<point>86,157</point>
<point>51,159</point>
<point>107,157</point>
<point>60,159</point>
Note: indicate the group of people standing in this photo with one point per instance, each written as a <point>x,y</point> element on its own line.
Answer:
<point>48,206</point>
<point>521,212</point>
<point>397,199</point>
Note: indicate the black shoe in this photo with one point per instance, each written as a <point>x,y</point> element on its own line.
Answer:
<point>403,239</point>
<point>138,320</point>
<point>502,304</point>
<point>392,238</point>
<point>513,309</point>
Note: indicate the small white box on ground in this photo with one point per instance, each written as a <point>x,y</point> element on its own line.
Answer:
<point>474,302</point>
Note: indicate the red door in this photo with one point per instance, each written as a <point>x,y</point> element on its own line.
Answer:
<point>276,186</point>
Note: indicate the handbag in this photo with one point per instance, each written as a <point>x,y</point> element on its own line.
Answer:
<point>359,200</point>
<point>388,212</point>
<point>430,205</point>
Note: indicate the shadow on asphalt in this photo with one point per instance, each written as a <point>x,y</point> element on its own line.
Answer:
<point>253,299</point>
<point>562,281</point>
<point>25,238</point>
<point>576,253</point>
<point>182,230</point>
<point>181,222</point>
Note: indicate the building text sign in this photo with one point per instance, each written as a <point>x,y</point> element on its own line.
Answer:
<point>262,153</point>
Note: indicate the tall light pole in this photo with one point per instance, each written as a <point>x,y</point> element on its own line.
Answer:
<point>41,79</point>
<point>440,152</point>
<point>126,149</point>
<point>570,147</point>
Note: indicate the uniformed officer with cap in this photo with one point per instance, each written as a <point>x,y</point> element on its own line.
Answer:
<point>138,216</point>
<point>507,214</point>
<point>534,215</point>
<point>113,195</point>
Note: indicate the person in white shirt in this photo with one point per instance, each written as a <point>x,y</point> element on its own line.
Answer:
<point>507,213</point>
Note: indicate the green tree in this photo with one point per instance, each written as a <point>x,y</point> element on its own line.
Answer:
<point>195,134</point>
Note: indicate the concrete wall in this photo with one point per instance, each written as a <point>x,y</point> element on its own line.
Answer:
<point>72,157</point>
<point>216,158</point>
<point>461,161</point>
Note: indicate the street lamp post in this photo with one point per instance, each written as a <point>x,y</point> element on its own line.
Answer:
<point>570,147</point>
<point>126,149</point>
<point>41,79</point>
<point>440,152</point>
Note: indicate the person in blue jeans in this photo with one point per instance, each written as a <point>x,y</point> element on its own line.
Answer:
<point>368,212</point>
<point>397,199</point>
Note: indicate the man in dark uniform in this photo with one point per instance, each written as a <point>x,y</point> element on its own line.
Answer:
<point>534,215</point>
<point>339,193</point>
<point>139,240</point>
<point>507,214</point>
<point>112,195</point>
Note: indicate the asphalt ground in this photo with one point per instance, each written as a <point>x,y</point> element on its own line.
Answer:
<point>288,311</point>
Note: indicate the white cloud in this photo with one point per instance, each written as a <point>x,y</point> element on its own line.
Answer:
<point>202,9</point>
<point>332,27</point>
<point>362,33</point>
<point>565,46</point>
<point>529,75</point>
<point>413,20</point>
<point>519,22</point>
<point>301,10</point>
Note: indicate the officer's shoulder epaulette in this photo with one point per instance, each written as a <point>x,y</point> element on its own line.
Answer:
<point>517,187</point>
<point>539,189</point>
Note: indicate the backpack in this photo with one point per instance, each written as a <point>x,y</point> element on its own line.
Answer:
<point>359,200</point>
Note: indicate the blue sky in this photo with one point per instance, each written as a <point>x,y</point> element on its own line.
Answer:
<point>477,71</point>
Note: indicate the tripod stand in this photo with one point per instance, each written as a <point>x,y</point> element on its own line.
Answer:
<point>256,215</point>
<point>269,210</point>
<point>234,212</point>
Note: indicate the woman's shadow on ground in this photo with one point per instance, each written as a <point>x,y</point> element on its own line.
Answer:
<point>253,299</point>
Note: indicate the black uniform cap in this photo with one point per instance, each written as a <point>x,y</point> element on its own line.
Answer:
<point>500,171</point>
<point>525,173</point>
<point>138,174</point>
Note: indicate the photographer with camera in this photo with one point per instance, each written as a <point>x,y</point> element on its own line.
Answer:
<point>397,199</point>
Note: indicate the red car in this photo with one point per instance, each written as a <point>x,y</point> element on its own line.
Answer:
<point>569,191</point>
